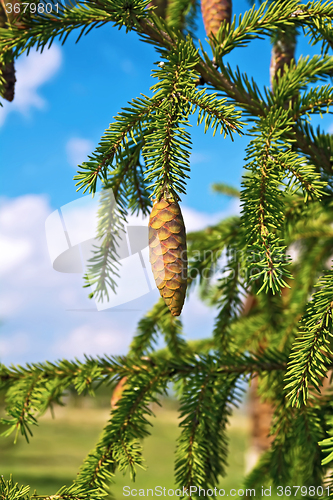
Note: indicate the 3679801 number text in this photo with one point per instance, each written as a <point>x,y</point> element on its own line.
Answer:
<point>304,491</point>
<point>33,8</point>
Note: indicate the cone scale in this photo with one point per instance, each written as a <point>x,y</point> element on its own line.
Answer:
<point>167,252</point>
<point>214,12</point>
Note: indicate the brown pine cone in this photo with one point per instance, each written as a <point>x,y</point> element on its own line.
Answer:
<point>167,253</point>
<point>214,12</point>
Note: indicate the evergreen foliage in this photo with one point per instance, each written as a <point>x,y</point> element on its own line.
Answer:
<point>285,337</point>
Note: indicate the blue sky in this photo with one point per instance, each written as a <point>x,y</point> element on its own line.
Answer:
<point>97,77</point>
<point>65,99</point>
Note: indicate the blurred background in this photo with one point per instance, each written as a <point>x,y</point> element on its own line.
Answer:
<point>60,444</point>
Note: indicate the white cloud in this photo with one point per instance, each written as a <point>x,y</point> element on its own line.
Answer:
<point>197,317</point>
<point>85,339</point>
<point>128,67</point>
<point>195,220</point>
<point>198,157</point>
<point>31,73</point>
<point>52,309</point>
<point>16,344</point>
<point>78,149</point>
<point>22,214</point>
<point>14,251</point>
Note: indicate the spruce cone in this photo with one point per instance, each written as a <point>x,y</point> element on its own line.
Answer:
<point>167,253</point>
<point>214,12</point>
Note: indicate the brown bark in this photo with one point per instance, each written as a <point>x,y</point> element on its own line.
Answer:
<point>283,52</point>
<point>260,413</point>
<point>7,69</point>
<point>118,391</point>
<point>8,75</point>
<point>214,12</point>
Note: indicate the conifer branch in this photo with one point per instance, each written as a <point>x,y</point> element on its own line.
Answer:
<point>222,188</point>
<point>166,151</point>
<point>311,351</point>
<point>296,433</point>
<point>115,140</point>
<point>316,146</point>
<point>286,204</point>
<point>119,444</point>
<point>320,31</point>
<point>313,257</point>
<point>166,148</point>
<point>41,30</point>
<point>215,112</point>
<point>206,247</point>
<point>315,101</point>
<point>103,265</point>
<point>23,401</point>
<point>260,474</point>
<point>95,369</point>
<point>147,330</point>
<point>251,101</point>
<point>231,292</point>
<point>262,202</point>
<point>201,396</point>
<point>255,23</point>
<point>301,174</point>
<point>298,75</point>
<point>159,319</point>
<point>181,16</point>
<point>12,491</point>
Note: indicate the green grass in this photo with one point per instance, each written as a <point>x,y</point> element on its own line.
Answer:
<point>59,446</point>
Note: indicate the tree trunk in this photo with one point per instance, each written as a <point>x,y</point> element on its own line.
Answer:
<point>261,418</point>
<point>7,70</point>
<point>283,52</point>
